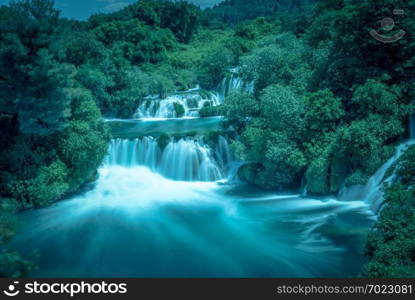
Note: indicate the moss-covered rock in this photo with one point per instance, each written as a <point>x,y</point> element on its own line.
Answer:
<point>179,109</point>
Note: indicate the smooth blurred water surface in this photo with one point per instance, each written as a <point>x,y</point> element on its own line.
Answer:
<point>136,223</point>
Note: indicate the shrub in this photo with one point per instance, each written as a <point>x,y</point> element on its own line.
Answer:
<point>179,109</point>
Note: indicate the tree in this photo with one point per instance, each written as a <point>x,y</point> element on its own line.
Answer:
<point>180,17</point>
<point>323,111</point>
<point>35,89</point>
<point>283,62</point>
<point>355,55</point>
<point>375,97</point>
<point>240,108</point>
<point>233,12</point>
<point>283,110</point>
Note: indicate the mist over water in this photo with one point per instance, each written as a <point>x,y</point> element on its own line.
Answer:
<point>187,159</point>
<point>136,223</point>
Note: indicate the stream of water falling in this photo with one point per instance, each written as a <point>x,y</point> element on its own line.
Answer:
<point>192,101</point>
<point>137,223</point>
<point>372,193</point>
<point>186,159</point>
<point>170,210</point>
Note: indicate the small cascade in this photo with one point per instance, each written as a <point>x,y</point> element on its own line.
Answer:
<point>372,193</point>
<point>233,83</point>
<point>137,152</point>
<point>228,85</point>
<point>184,104</point>
<point>223,153</point>
<point>189,103</point>
<point>412,126</point>
<point>187,159</point>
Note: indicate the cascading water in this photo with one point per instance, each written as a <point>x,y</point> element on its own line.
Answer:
<point>187,159</point>
<point>162,209</point>
<point>137,223</point>
<point>223,152</point>
<point>131,153</point>
<point>233,83</point>
<point>193,100</point>
<point>372,193</point>
<point>190,101</point>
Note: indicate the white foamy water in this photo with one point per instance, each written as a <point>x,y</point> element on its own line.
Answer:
<point>190,101</point>
<point>136,223</point>
<point>188,159</point>
<point>172,209</point>
<point>372,193</point>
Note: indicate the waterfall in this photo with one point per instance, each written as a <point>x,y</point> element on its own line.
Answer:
<point>372,193</point>
<point>190,101</point>
<point>137,152</point>
<point>228,85</point>
<point>233,83</point>
<point>187,159</point>
<point>224,155</point>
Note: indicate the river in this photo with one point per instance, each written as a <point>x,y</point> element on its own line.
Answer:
<point>178,210</point>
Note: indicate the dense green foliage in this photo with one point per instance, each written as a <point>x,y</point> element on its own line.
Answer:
<point>391,245</point>
<point>138,48</point>
<point>46,114</point>
<point>237,11</point>
<point>329,101</point>
<point>53,137</point>
<point>180,17</point>
<point>327,114</point>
